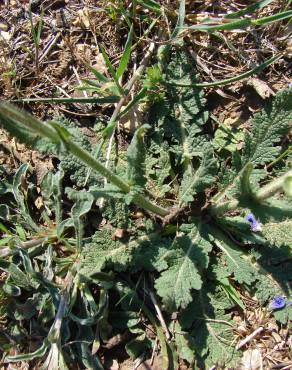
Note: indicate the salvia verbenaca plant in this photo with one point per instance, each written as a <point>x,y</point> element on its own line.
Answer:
<point>202,220</point>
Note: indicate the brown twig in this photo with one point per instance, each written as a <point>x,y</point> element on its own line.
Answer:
<point>249,337</point>
<point>154,351</point>
<point>159,315</point>
<point>173,214</point>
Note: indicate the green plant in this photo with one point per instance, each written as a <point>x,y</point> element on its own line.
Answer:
<point>170,245</point>
<point>36,31</point>
<point>191,250</point>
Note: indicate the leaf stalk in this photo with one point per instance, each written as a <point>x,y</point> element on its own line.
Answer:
<point>262,194</point>
<point>45,130</point>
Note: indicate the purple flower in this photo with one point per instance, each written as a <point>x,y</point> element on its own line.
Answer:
<point>278,303</point>
<point>254,224</point>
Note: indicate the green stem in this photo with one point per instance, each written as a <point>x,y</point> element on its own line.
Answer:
<point>143,202</point>
<point>93,163</point>
<point>283,155</point>
<point>6,251</point>
<point>272,18</point>
<point>91,100</point>
<point>45,130</point>
<point>239,77</point>
<point>265,192</point>
<point>272,188</point>
<point>240,23</point>
<point>219,209</point>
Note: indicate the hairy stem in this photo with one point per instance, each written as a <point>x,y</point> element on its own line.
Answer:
<point>238,77</point>
<point>6,251</point>
<point>93,163</point>
<point>8,112</point>
<point>219,209</point>
<point>273,187</point>
<point>265,192</point>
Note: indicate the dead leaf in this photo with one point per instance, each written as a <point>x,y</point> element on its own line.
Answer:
<point>118,234</point>
<point>6,35</point>
<point>83,18</point>
<point>289,47</point>
<point>132,119</point>
<point>99,63</point>
<point>252,360</point>
<point>261,87</point>
<point>277,337</point>
<point>39,202</point>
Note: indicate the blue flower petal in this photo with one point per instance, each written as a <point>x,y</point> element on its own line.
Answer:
<point>250,218</point>
<point>254,224</point>
<point>278,303</point>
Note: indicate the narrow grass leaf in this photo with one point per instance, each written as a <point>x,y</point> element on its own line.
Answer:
<point>97,74</point>
<point>239,77</point>
<point>180,19</point>
<point>241,23</point>
<point>126,55</point>
<point>32,27</point>
<point>139,96</point>
<point>272,18</point>
<point>91,83</point>
<point>110,128</point>
<point>40,26</point>
<point>249,9</point>
<point>29,356</point>
<point>151,5</point>
<point>92,100</point>
<point>112,70</point>
<point>224,250</point>
<point>231,292</point>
